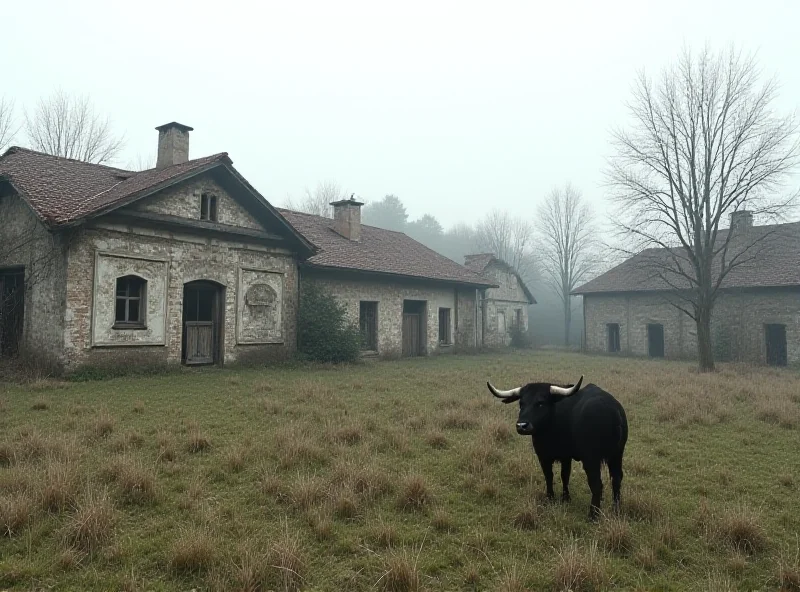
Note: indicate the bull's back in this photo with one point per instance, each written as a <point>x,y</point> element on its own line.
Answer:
<point>599,424</point>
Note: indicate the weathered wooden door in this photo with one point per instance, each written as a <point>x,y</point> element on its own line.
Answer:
<point>12,310</point>
<point>201,323</point>
<point>411,334</point>
<point>776,344</point>
<point>199,342</point>
<point>655,340</point>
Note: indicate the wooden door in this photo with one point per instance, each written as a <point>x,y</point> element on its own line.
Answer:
<point>12,310</point>
<point>199,342</point>
<point>411,334</point>
<point>776,344</point>
<point>655,340</point>
<point>201,323</point>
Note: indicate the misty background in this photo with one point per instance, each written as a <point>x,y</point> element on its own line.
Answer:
<point>461,112</point>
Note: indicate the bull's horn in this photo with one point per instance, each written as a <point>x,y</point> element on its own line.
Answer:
<point>503,394</point>
<point>557,390</point>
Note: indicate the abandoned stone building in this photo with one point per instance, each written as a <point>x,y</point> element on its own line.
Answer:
<point>188,263</point>
<point>505,306</point>
<point>756,319</point>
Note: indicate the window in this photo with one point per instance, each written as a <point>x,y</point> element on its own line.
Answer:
<point>208,207</point>
<point>444,326</point>
<point>368,323</point>
<point>130,309</point>
<point>518,319</point>
<point>613,337</point>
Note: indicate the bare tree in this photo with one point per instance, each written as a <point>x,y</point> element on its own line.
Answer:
<point>509,238</point>
<point>69,126</point>
<point>142,162</point>
<point>318,202</point>
<point>567,245</point>
<point>705,142</point>
<point>8,123</point>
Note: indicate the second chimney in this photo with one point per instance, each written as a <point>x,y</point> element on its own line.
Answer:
<point>347,218</point>
<point>173,144</point>
<point>741,220</point>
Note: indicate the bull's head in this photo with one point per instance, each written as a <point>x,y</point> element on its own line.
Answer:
<point>536,403</point>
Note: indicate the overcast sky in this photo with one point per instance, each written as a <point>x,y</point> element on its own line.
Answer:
<point>455,107</point>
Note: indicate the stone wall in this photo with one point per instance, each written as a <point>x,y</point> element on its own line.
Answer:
<point>187,257</point>
<point>25,242</point>
<point>184,200</point>
<point>739,318</point>
<point>737,324</point>
<point>503,301</point>
<point>389,295</point>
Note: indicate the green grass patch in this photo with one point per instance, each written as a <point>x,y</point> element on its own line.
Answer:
<point>403,475</point>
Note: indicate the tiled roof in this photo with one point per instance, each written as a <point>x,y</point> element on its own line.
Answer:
<point>62,190</point>
<point>379,251</point>
<point>772,260</point>
<point>478,264</point>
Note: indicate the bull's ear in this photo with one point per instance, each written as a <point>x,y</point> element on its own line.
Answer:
<point>511,399</point>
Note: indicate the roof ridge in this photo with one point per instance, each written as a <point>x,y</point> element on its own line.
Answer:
<point>281,209</point>
<point>15,149</point>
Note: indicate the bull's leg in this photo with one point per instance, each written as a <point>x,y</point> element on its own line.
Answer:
<point>547,469</point>
<point>592,469</point>
<point>615,471</point>
<point>566,469</point>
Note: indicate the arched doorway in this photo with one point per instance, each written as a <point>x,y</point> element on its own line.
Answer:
<point>203,323</point>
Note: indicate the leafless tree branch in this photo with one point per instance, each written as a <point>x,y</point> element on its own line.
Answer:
<point>509,238</point>
<point>69,126</point>
<point>705,142</point>
<point>567,245</point>
<point>318,202</point>
<point>8,123</point>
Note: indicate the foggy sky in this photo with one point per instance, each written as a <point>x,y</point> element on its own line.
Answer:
<point>454,107</point>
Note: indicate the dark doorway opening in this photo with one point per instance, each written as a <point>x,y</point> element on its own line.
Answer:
<point>613,337</point>
<point>414,327</point>
<point>12,310</point>
<point>775,337</point>
<point>368,323</point>
<point>655,340</point>
<point>203,323</point>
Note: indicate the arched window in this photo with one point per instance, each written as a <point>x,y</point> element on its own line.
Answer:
<point>131,303</point>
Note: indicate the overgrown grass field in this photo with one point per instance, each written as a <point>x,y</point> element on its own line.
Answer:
<point>394,476</point>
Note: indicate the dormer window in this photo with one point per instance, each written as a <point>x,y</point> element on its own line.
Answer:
<point>208,207</point>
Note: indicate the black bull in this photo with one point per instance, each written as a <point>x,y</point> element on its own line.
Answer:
<point>566,424</point>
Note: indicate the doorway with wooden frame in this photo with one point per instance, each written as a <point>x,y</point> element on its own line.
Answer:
<point>12,310</point>
<point>203,323</point>
<point>414,312</point>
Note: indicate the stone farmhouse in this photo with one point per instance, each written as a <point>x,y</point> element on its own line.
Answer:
<point>756,319</point>
<point>188,263</point>
<point>506,305</point>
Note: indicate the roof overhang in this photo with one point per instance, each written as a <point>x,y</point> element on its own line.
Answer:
<point>395,276</point>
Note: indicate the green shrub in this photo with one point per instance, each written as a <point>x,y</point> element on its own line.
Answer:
<point>324,334</point>
<point>520,337</point>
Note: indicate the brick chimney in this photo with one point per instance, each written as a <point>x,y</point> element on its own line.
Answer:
<point>347,218</point>
<point>741,220</point>
<point>173,144</point>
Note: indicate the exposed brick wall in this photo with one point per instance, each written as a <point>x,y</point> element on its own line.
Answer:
<point>190,257</point>
<point>390,296</point>
<point>184,200</point>
<point>24,241</point>
<point>737,324</point>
